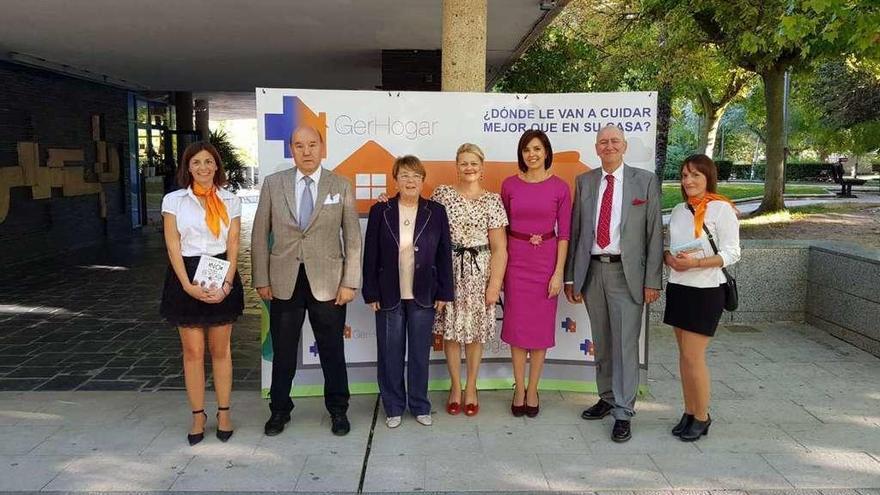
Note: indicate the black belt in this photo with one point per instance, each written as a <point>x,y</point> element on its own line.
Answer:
<point>473,252</point>
<point>606,258</point>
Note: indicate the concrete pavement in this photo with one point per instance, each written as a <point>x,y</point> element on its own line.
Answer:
<point>793,409</point>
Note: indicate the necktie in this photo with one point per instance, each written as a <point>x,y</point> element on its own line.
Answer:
<point>603,235</point>
<point>306,204</point>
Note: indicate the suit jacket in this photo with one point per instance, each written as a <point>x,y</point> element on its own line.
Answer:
<point>331,260</point>
<point>432,271</point>
<point>641,230</point>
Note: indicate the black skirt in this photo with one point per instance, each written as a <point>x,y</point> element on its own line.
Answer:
<point>695,309</point>
<point>182,310</point>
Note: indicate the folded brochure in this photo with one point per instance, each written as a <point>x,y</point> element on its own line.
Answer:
<point>211,272</point>
<point>692,249</point>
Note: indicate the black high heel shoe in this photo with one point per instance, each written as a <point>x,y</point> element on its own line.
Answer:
<point>517,411</point>
<point>532,411</point>
<point>683,423</point>
<point>194,438</point>
<point>223,435</point>
<point>696,430</point>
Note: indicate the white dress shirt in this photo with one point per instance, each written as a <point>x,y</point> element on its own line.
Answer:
<point>722,223</point>
<point>616,207</point>
<point>195,238</point>
<point>301,187</point>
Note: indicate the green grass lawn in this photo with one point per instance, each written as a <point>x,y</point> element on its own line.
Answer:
<point>672,192</point>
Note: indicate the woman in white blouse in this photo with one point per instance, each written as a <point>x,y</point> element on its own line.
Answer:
<point>694,293</point>
<point>202,218</point>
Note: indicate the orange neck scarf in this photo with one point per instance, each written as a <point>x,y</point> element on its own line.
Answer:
<point>215,209</point>
<point>699,206</point>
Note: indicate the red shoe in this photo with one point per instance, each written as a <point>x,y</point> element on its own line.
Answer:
<point>453,408</point>
<point>472,409</point>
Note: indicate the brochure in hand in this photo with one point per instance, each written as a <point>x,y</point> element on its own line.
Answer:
<point>692,249</point>
<point>211,272</point>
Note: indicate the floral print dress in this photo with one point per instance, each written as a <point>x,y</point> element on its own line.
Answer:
<point>468,319</point>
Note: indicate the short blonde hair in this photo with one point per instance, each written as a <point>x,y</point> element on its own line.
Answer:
<point>408,162</point>
<point>470,148</point>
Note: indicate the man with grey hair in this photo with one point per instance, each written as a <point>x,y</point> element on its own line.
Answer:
<point>614,265</point>
<point>313,267</point>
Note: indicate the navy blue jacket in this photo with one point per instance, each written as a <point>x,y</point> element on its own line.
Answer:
<point>432,270</point>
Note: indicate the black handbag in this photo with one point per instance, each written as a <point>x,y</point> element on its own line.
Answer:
<point>731,294</point>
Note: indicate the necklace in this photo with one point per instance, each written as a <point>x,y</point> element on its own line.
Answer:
<point>408,214</point>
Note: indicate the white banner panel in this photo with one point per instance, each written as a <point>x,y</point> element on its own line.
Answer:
<point>365,130</point>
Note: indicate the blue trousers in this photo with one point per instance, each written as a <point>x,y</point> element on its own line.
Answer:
<point>410,324</point>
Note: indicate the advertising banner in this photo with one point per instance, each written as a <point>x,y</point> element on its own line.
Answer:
<point>364,131</point>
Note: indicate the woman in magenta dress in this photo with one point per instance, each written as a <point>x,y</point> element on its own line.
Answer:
<point>538,207</point>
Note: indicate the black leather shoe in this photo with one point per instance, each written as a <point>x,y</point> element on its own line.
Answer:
<point>276,423</point>
<point>683,423</point>
<point>621,431</point>
<point>598,411</point>
<point>695,430</point>
<point>340,425</point>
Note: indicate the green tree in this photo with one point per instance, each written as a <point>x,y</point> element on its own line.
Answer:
<point>715,89</point>
<point>232,162</point>
<point>848,92</point>
<point>770,37</point>
<point>613,46</point>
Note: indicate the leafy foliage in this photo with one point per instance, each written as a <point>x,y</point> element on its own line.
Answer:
<point>232,162</point>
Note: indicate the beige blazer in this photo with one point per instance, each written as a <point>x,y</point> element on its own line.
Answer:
<point>331,260</point>
<point>641,230</point>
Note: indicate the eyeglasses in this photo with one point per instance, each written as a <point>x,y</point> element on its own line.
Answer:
<point>408,178</point>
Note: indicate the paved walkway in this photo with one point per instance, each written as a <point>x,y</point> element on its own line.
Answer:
<point>794,409</point>
<point>88,320</point>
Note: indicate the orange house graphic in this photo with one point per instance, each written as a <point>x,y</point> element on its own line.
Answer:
<point>369,169</point>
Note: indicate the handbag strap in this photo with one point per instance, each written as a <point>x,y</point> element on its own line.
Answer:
<point>711,242</point>
<point>705,229</point>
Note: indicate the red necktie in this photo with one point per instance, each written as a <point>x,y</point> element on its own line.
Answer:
<point>603,235</point>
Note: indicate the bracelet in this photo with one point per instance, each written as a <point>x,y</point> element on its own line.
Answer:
<point>227,282</point>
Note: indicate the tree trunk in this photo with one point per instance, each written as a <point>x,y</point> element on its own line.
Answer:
<point>664,114</point>
<point>774,85</point>
<point>711,119</point>
<point>707,108</point>
<point>712,122</point>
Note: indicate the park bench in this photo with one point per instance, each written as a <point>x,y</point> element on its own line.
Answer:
<point>846,183</point>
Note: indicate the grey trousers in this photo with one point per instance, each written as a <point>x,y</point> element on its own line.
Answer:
<point>615,322</point>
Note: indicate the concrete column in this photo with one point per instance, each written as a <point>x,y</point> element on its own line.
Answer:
<point>464,45</point>
<point>183,110</point>
<point>201,111</point>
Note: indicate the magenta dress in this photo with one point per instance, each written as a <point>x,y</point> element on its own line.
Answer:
<point>533,208</point>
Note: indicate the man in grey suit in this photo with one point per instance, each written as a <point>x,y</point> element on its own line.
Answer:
<point>309,268</point>
<point>614,263</point>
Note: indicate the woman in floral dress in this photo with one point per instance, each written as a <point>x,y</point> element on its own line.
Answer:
<point>477,221</point>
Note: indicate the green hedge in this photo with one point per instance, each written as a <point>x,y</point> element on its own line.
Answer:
<point>809,171</point>
<point>725,167</point>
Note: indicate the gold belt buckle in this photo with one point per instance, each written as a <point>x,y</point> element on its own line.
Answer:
<point>604,258</point>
